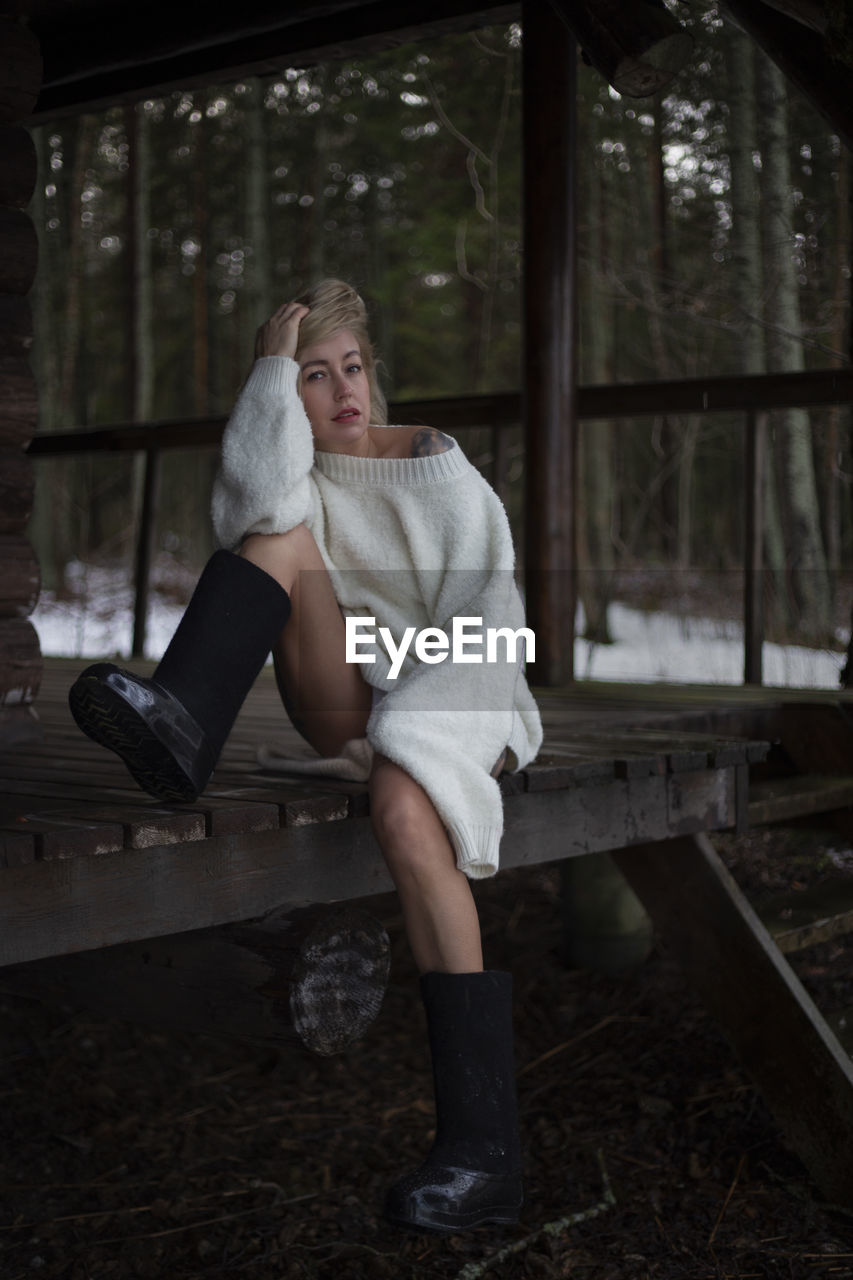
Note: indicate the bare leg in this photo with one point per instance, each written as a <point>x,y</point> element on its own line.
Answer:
<point>325,696</point>
<point>329,703</point>
<point>438,907</point>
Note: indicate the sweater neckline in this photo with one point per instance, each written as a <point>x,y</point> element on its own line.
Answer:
<point>392,471</point>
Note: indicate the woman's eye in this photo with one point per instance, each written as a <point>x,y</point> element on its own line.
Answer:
<point>354,368</point>
<point>312,377</point>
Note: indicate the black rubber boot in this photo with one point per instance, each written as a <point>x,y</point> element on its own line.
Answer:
<point>472,1175</point>
<point>170,729</point>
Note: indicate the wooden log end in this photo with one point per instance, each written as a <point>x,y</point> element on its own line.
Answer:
<point>16,325</point>
<point>21,663</point>
<point>19,172</point>
<point>338,980</point>
<point>21,249</point>
<point>19,727</point>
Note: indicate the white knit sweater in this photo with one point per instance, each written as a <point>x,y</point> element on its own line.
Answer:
<point>409,542</point>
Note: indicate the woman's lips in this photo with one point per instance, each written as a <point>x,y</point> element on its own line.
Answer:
<point>346,415</point>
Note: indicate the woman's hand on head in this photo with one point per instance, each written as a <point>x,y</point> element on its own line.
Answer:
<point>280,335</point>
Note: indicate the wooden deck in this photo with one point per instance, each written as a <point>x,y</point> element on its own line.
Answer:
<point>87,861</point>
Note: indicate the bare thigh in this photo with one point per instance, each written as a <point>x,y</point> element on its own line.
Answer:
<point>325,696</point>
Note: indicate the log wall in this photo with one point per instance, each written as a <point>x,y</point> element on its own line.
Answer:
<point>20,653</point>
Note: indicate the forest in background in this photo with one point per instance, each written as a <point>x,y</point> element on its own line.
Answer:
<point>714,238</point>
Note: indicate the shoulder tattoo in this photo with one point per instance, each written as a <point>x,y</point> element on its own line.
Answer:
<point>427,440</point>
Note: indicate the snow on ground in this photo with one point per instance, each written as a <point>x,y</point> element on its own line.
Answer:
<point>98,623</point>
<point>682,650</point>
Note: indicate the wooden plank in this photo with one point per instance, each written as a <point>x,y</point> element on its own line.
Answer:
<point>87,902</point>
<point>17,848</point>
<point>221,816</point>
<point>623,762</point>
<point>682,744</point>
<point>780,799</point>
<point>808,916</point>
<point>292,804</point>
<point>142,828</point>
<point>298,806</point>
<point>61,838</point>
<point>770,1020</point>
<point>558,767</point>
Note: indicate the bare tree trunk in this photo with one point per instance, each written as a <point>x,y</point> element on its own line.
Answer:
<point>809,579</point>
<point>73,525</point>
<point>72,321</point>
<point>50,472</point>
<point>139,131</point>
<point>836,414</point>
<point>595,539</point>
<point>201,335</point>
<point>671,427</point>
<point>141,355</point>
<point>257,208</point>
<point>691,431</point>
<point>747,261</point>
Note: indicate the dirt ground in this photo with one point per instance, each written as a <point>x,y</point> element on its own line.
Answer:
<point>130,1152</point>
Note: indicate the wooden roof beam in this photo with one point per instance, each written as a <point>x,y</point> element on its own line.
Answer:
<point>637,45</point>
<point>804,56</point>
<point>114,77</point>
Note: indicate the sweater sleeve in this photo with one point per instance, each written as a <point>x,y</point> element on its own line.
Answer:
<point>262,485</point>
<point>447,723</point>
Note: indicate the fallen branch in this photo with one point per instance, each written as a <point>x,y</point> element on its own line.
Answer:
<point>567,1044</point>
<point>474,1270</point>
<point>722,1212</point>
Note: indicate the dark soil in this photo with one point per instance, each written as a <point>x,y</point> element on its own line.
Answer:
<point>129,1152</point>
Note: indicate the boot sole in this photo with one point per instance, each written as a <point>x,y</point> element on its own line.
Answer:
<point>469,1222</point>
<point>107,719</point>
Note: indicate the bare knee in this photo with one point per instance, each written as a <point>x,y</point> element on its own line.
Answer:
<point>282,555</point>
<point>409,831</point>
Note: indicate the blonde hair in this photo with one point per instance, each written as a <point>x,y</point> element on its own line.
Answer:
<point>334,305</point>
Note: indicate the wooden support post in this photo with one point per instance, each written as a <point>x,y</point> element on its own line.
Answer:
<point>770,1020</point>
<point>550,379</point>
<point>753,553</point>
<point>145,550</point>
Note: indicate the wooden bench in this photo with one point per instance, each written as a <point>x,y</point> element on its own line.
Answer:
<point>90,863</point>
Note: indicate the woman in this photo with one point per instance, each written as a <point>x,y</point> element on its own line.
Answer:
<point>327,514</point>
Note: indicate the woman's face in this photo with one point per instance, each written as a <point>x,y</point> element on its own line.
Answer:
<point>336,394</point>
